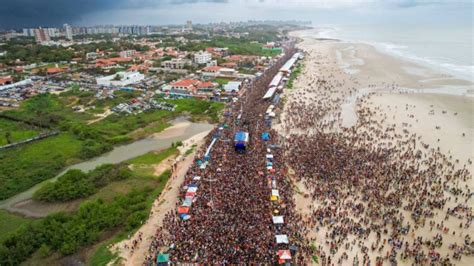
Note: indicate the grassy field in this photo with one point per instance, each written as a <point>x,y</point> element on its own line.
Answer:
<point>27,165</point>
<point>9,223</point>
<point>221,81</point>
<point>15,131</point>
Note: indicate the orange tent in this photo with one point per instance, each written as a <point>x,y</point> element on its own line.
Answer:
<point>183,209</point>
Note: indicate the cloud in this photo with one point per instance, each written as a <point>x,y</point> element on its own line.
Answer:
<point>33,13</point>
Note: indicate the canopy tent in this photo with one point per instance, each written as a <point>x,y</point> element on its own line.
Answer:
<point>273,198</point>
<point>277,219</point>
<point>270,93</point>
<point>187,201</point>
<point>163,259</point>
<point>284,254</point>
<point>183,210</point>
<point>190,194</point>
<point>196,178</point>
<point>193,185</point>
<point>192,189</point>
<point>275,192</point>
<point>289,64</point>
<point>265,136</point>
<point>269,157</point>
<point>185,217</point>
<point>282,239</point>
<point>208,151</point>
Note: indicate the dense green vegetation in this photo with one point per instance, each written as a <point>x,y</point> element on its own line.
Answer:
<point>27,165</point>
<point>240,46</point>
<point>28,51</point>
<point>76,184</point>
<point>9,223</point>
<point>67,233</point>
<point>11,131</point>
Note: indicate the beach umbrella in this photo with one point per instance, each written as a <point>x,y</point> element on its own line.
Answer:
<point>163,259</point>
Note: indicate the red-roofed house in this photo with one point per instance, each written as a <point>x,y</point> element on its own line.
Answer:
<point>6,80</point>
<point>107,62</point>
<point>191,87</point>
<point>56,70</point>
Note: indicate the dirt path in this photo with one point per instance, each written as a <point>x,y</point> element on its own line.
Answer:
<point>100,116</point>
<point>163,204</point>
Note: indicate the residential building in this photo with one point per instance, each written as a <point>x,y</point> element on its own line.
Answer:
<point>202,57</point>
<point>6,80</point>
<point>68,31</point>
<point>189,25</point>
<point>91,55</point>
<point>120,79</point>
<point>127,53</point>
<point>176,63</point>
<point>29,32</point>
<point>41,35</point>
<point>52,32</point>
<point>217,71</point>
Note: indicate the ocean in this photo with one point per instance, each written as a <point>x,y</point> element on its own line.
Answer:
<point>448,50</point>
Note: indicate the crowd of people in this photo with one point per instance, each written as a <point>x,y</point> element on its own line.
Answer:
<point>377,196</point>
<point>231,214</point>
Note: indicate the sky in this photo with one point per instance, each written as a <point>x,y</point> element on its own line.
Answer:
<point>33,13</point>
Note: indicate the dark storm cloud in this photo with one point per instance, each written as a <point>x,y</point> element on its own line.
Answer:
<point>32,13</point>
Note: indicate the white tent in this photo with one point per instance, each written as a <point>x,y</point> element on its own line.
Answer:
<point>197,178</point>
<point>275,192</point>
<point>187,201</point>
<point>281,239</point>
<point>192,189</point>
<point>277,219</point>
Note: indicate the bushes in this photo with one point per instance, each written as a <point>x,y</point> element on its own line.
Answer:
<point>72,185</point>
<point>67,233</point>
<point>75,184</point>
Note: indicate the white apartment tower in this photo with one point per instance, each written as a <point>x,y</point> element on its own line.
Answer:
<point>68,31</point>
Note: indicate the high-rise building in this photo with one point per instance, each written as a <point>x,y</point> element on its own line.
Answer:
<point>189,25</point>
<point>28,32</point>
<point>52,32</point>
<point>41,35</point>
<point>68,31</point>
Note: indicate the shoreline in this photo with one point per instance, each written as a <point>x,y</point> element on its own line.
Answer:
<point>349,80</point>
<point>389,48</point>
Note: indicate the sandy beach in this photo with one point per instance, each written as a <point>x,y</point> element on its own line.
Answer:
<point>352,88</point>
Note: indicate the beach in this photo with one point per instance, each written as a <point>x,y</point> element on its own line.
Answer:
<point>377,101</point>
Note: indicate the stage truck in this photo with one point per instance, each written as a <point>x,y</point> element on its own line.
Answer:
<point>241,141</point>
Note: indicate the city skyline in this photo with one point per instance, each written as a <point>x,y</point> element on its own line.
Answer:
<point>49,13</point>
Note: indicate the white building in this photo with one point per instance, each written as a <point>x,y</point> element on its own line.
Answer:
<point>120,79</point>
<point>202,57</point>
<point>127,53</point>
<point>232,86</point>
<point>68,31</point>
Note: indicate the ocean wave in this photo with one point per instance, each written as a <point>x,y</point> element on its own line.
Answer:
<point>441,64</point>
